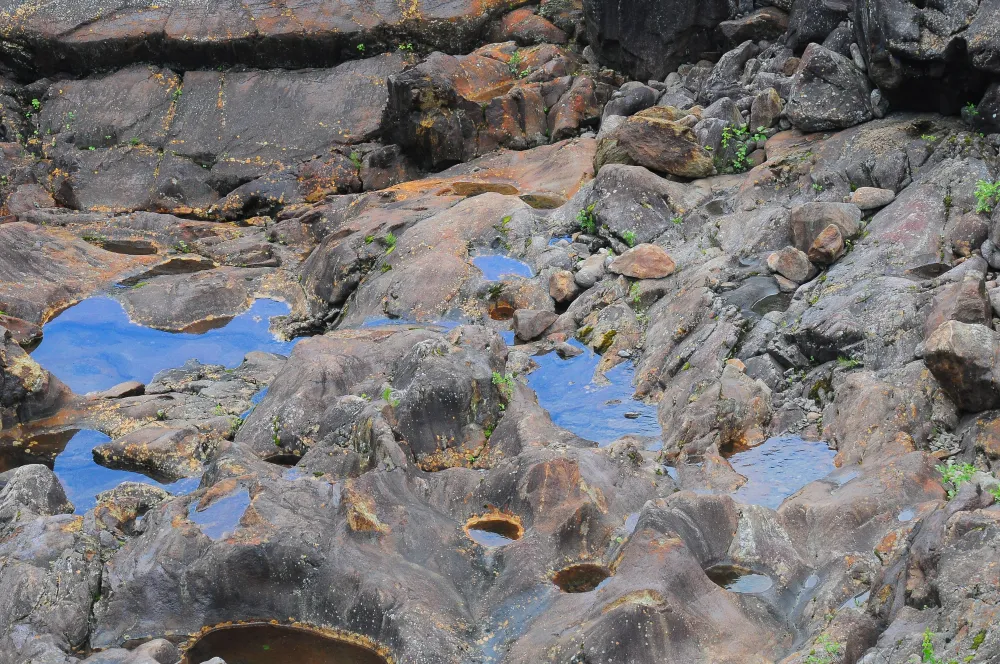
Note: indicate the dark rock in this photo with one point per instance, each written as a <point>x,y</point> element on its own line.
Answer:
<point>766,109</point>
<point>963,358</point>
<point>630,100</point>
<point>828,92</point>
<point>529,324</point>
<point>34,489</point>
<point>725,77</point>
<point>809,221</point>
<point>767,23</point>
<point>813,20</point>
<point>650,39</point>
<point>27,391</point>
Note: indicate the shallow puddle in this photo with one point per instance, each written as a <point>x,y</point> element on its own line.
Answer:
<point>276,644</point>
<point>739,580</point>
<point>581,578</point>
<point>493,530</point>
<point>93,345</point>
<point>907,514</point>
<point>220,519</point>
<point>70,455</point>
<point>779,467</point>
<point>601,413</point>
<point>497,267</point>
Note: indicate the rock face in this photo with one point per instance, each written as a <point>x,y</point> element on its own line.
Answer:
<point>649,39</point>
<point>47,39</point>
<point>27,391</point>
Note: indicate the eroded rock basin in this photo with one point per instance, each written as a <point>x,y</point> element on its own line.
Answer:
<point>263,643</point>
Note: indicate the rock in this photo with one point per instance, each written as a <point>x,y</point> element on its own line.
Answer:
<point>563,287</point>
<point>590,271</point>
<point>964,301</point>
<point>526,28</point>
<point>34,489</point>
<point>659,145</point>
<point>766,109</point>
<point>963,358</point>
<point>725,79</point>
<point>28,197</point>
<point>579,107</point>
<point>828,92</point>
<point>811,219</point>
<point>130,388</point>
<point>160,650</point>
<point>650,39</point>
<point>872,198</point>
<point>827,247</point>
<point>813,20</point>
<point>791,264</point>
<point>630,100</point>
<point>98,36</point>
<point>529,324</point>
<point>767,23</point>
<point>23,333</point>
<point>723,109</point>
<point>27,391</point>
<point>644,261</point>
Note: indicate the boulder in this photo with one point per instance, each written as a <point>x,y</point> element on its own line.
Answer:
<point>765,109</point>
<point>828,92</point>
<point>872,198</point>
<point>530,324</point>
<point>650,38</point>
<point>963,357</point>
<point>27,391</point>
<point>659,145</point>
<point>811,219</point>
<point>827,247</point>
<point>645,261</point>
<point>34,489</point>
<point>791,264</point>
<point>964,301</point>
<point>563,287</point>
<point>526,28</point>
<point>767,23</point>
<point>812,20</point>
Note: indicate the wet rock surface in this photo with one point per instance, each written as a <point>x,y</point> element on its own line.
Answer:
<point>479,333</point>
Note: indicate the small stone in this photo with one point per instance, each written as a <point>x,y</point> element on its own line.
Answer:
<point>810,219</point>
<point>631,415</point>
<point>872,198</point>
<point>130,388</point>
<point>645,261</point>
<point>562,287</point>
<point>827,247</point>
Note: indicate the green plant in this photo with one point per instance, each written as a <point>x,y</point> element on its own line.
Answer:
<point>361,49</point>
<point>276,431</point>
<point>514,64</point>
<point>927,654</point>
<point>848,362</point>
<point>369,239</point>
<point>956,475</point>
<point>356,159</point>
<point>825,651</point>
<point>587,219</point>
<point>389,242</point>
<point>504,226</point>
<point>174,96</point>
<point>218,409</point>
<point>987,195</point>
<point>817,186</point>
<point>234,426</point>
<point>971,108</point>
<point>629,237</point>
<point>161,415</point>
<point>678,220</point>
<point>634,293</point>
<point>35,104</point>
<point>134,140</point>
<point>505,383</point>
<point>930,138</point>
<point>388,398</point>
<point>406,47</point>
<point>183,247</point>
<point>995,492</point>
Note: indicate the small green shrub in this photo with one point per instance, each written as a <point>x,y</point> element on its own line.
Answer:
<point>387,397</point>
<point>971,108</point>
<point>389,242</point>
<point>956,475</point>
<point>587,219</point>
<point>35,104</point>
<point>356,159</point>
<point>825,651</point>
<point>987,195</point>
<point>361,49</point>
<point>678,220</point>
<point>505,383</point>
<point>629,237</point>
<point>848,362</point>
<point>927,655</point>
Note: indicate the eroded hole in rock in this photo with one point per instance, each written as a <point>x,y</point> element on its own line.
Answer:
<point>286,460</point>
<point>580,578</point>
<point>501,310</point>
<point>262,643</point>
<point>739,579</point>
<point>494,529</point>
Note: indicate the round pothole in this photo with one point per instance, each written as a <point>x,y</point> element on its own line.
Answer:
<point>264,643</point>
<point>286,460</point>
<point>580,578</point>
<point>493,530</point>
<point>739,579</point>
<point>501,310</point>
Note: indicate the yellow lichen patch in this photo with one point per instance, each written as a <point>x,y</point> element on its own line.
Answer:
<point>361,516</point>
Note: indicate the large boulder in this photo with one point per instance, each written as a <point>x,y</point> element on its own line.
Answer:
<point>964,359</point>
<point>657,144</point>
<point>828,92</point>
<point>27,391</point>
<point>649,39</point>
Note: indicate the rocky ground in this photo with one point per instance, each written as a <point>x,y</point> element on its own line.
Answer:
<point>780,217</point>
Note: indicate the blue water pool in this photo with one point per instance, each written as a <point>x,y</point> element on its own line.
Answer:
<point>496,267</point>
<point>93,345</point>
<point>779,467</point>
